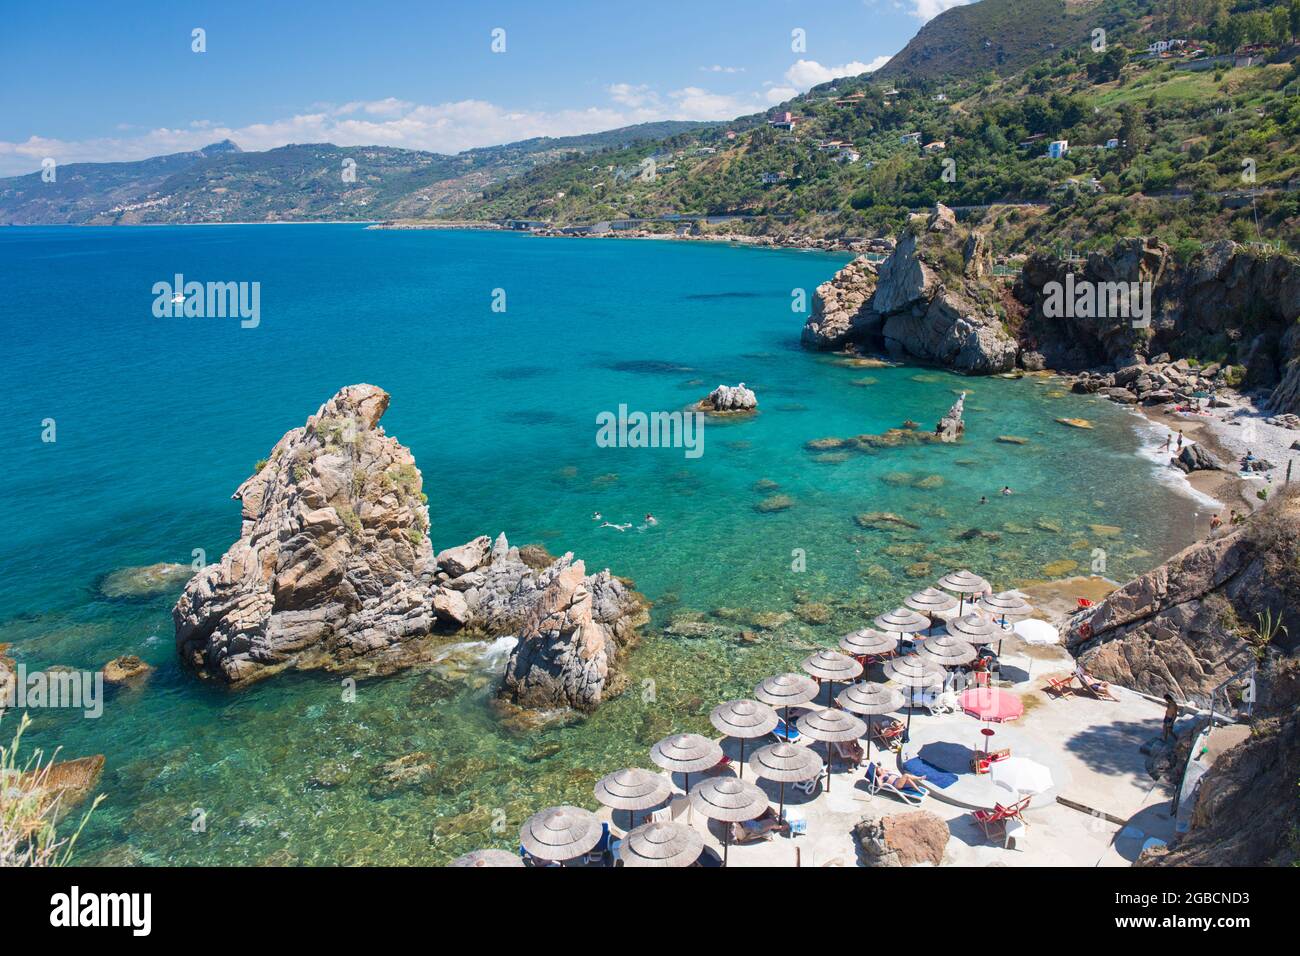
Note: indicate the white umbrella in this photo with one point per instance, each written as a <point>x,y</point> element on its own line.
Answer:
<point>1021,775</point>
<point>1033,631</point>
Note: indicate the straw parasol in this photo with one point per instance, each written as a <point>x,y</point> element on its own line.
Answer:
<point>1005,605</point>
<point>870,699</point>
<point>867,643</point>
<point>666,843</point>
<point>686,753</point>
<point>975,628</point>
<point>489,858</point>
<point>832,666</point>
<point>730,801</point>
<point>931,602</point>
<point>831,726</point>
<point>785,763</point>
<point>902,620</point>
<point>947,651</point>
<point>560,833</point>
<point>632,790</point>
<point>785,690</point>
<point>744,719</point>
<point>962,583</point>
<point>914,671</point>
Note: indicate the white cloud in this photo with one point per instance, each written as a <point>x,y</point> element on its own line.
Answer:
<point>806,74</point>
<point>637,95</point>
<point>927,10</point>
<point>779,94</point>
<point>716,68</point>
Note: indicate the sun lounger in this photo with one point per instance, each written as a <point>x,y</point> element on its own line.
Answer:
<point>998,817</point>
<point>888,734</point>
<point>596,855</point>
<point>877,783</point>
<point>1060,686</point>
<point>761,828</point>
<point>786,735</point>
<point>1097,688</point>
<point>849,751</point>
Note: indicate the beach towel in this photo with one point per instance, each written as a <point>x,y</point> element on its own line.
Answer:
<point>932,774</point>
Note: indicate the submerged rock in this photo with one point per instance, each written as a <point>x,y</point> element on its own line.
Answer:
<point>774,503</point>
<point>148,581</point>
<point>125,670</point>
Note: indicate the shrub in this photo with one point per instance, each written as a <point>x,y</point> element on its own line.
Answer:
<point>28,834</point>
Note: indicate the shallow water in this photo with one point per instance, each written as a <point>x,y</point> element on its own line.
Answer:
<point>158,420</point>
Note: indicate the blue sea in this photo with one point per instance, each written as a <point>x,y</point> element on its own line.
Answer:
<point>157,420</point>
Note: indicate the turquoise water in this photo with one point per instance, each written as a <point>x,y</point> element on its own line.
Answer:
<point>158,420</point>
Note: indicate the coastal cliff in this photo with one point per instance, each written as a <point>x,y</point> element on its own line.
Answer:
<point>334,570</point>
<point>930,301</point>
<point>1185,627</point>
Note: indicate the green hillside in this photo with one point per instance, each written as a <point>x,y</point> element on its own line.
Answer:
<point>1179,137</point>
<point>223,184</point>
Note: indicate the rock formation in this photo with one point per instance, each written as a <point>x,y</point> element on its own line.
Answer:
<point>334,569</point>
<point>951,427</point>
<point>1227,300</point>
<point>730,399</point>
<point>903,839</point>
<point>1186,626</point>
<point>838,317</point>
<point>929,300</point>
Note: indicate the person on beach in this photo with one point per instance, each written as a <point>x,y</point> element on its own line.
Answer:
<point>1216,523</point>
<point>1235,517</point>
<point>1180,439</point>
<point>1169,440</point>
<point>900,781</point>
<point>1171,715</point>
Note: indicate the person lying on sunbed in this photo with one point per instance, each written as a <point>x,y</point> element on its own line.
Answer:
<point>1092,683</point>
<point>899,781</point>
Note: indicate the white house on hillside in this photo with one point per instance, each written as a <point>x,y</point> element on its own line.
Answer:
<point>1058,148</point>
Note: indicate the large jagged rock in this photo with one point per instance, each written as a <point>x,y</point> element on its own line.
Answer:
<point>838,317</point>
<point>570,639</point>
<point>1243,298</point>
<point>902,839</point>
<point>1182,627</point>
<point>730,399</point>
<point>930,301</point>
<point>334,569</point>
<point>951,427</point>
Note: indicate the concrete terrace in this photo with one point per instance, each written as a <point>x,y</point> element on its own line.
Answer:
<point>1093,748</point>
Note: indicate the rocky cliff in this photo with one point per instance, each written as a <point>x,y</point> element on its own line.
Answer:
<point>1187,626</point>
<point>1228,303</point>
<point>334,570</point>
<point>931,300</point>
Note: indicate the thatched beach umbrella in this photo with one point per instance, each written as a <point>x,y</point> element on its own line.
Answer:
<point>962,583</point>
<point>868,643</point>
<point>947,651</point>
<point>786,690</point>
<point>665,843</point>
<point>686,753</point>
<point>489,858</point>
<point>903,620</point>
<point>730,801</point>
<point>975,628</point>
<point>831,725</point>
<point>1005,605</point>
<point>931,602</point>
<point>914,671</point>
<point>560,833</point>
<point>744,720</point>
<point>632,790</point>
<point>869,699</point>
<point>832,666</point>
<point>785,763</point>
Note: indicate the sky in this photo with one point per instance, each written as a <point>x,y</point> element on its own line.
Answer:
<point>97,81</point>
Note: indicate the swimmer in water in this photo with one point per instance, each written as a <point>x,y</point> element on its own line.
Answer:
<point>651,520</point>
<point>1006,489</point>
<point>983,500</point>
<point>596,516</point>
<point>617,527</point>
